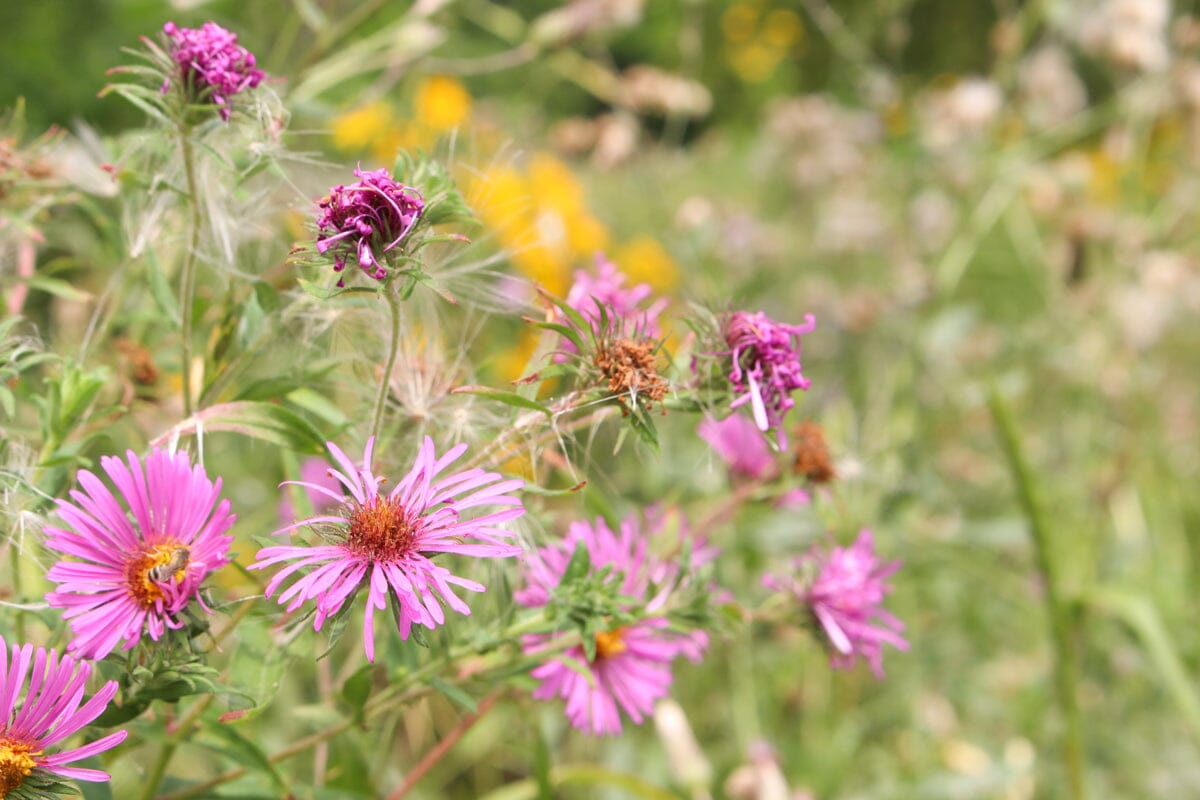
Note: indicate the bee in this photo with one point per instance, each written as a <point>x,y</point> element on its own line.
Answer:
<point>164,571</point>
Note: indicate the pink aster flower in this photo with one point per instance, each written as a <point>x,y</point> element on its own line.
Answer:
<point>367,220</point>
<point>846,597</point>
<point>386,542</point>
<point>49,712</point>
<point>632,665</point>
<point>139,569</point>
<point>606,287</point>
<point>766,365</point>
<point>210,58</point>
<point>740,445</point>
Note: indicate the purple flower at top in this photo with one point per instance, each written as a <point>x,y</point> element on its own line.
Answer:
<point>765,365</point>
<point>632,665</point>
<point>366,220</point>
<point>846,597</point>
<point>740,445</point>
<point>140,568</point>
<point>606,287</point>
<point>386,542</point>
<point>49,712</point>
<point>210,57</point>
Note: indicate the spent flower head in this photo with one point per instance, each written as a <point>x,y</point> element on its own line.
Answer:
<point>49,711</point>
<point>366,221</point>
<point>143,559</point>
<point>386,542</point>
<point>625,665</point>
<point>765,365</point>
<point>844,589</point>
<point>211,64</point>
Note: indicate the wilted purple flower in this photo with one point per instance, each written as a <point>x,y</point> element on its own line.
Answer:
<point>142,567</point>
<point>846,597</point>
<point>210,57</point>
<point>366,220</point>
<point>48,713</point>
<point>765,369</point>
<point>387,542</point>
<point>606,287</point>
<point>631,668</point>
<point>740,445</point>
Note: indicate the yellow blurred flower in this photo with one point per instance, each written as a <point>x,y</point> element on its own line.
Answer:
<point>360,128</point>
<point>541,216</point>
<point>758,39</point>
<point>442,103</point>
<point>644,260</point>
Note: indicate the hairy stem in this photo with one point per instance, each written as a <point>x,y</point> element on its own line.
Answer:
<point>393,349</point>
<point>187,275</point>
<point>1066,661</point>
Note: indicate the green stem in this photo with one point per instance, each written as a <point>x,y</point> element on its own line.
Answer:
<point>393,349</point>
<point>187,276</point>
<point>16,586</point>
<point>1066,662</point>
<point>182,731</point>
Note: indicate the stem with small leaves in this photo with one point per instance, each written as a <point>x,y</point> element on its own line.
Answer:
<point>393,348</point>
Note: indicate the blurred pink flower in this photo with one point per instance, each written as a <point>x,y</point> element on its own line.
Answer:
<point>740,445</point>
<point>631,669</point>
<point>49,712</point>
<point>765,368</point>
<point>210,57</point>
<point>313,472</point>
<point>366,220</point>
<point>606,287</point>
<point>387,542</point>
<point>137,573</point>
<point>846,597</point>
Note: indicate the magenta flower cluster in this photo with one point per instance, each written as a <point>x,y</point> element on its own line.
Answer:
<point>765,367</point>
<point>846,597</point>
<point>40,706</point>
<point>631,669</point>
<point>367,220</point>
<point>209,57</point>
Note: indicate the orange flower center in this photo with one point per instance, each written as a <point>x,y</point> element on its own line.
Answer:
<point>610,643</point>
<point>381,531</point>
<point>16,763</point>
<point>162,562</point>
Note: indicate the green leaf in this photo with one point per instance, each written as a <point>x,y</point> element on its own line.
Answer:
<point>570,334</point>
<point>454,694</point>
<point>357,689</point>
<point>245,752</point>
<point>501,396</point>
<point>56,287</point>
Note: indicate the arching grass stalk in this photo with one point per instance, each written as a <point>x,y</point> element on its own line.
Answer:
<point>393,349</point>
<point>1066,657</point>
<point>187,275</point>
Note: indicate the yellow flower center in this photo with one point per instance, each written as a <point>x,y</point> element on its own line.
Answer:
<point>381,531</point>
<point>159,563</point>
<point>610,643</point>
<point>16,763</point>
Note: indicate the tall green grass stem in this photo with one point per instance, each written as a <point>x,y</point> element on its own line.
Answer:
<point>187,275</point>
<point>1066,656</point>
